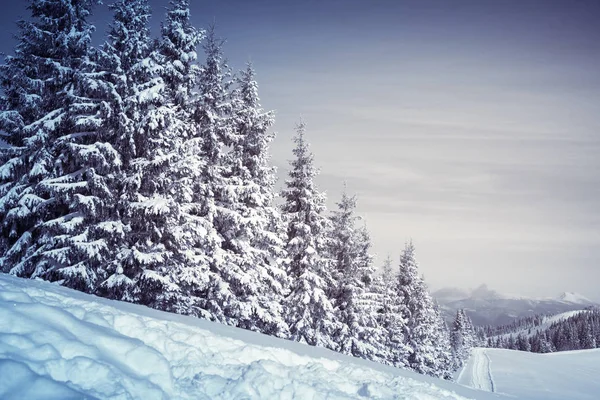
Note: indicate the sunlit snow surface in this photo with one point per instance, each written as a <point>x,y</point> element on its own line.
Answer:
<point>567,375</point>
<point>60,344</point>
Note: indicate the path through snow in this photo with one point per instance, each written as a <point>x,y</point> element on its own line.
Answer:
<point>478,372</point>
<point>564,375</point>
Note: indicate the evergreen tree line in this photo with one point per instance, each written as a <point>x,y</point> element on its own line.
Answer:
<point>523,323</point>
<point>137,173</point>
<point>579,332</point>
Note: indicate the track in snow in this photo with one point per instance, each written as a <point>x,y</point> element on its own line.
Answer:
<point>571,375</point>
<point>478,373</point>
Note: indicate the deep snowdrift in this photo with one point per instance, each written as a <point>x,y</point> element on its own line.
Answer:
<point>571,375</point>
<point>56,343</point>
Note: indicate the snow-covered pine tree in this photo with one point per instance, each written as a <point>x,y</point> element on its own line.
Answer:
<point>364,258</point>
<point>177,57</point>
<point>392,317</point>
<point>443,346</point>
<point>193,235</point>
<point>545,345</point>
<point>377,292</point>
<point>24,102</point>
<point>243,280</point>
<point>348,285</point>
<point>369,302</point>
<point>214,110</point>
<point>472,334</point>
<point>80,242</point>
<point>145,128</point>
<point>26,83</point>
<point>522,343</point>
<point>461,338</point>
<point>352,270</point>
<point>586,335</point>
<point>204,153</point>
<point>308,309</point>
<point>60,164</point>
<point>422,319</point>
<point>256,240</point>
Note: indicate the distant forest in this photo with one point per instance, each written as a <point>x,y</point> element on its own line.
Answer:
<point>578,332</point>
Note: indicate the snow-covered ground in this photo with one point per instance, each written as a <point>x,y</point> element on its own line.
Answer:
<point>56,343</point>
<point>571,375</point>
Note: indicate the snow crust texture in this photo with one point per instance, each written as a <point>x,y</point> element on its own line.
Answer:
<point>56,343</point>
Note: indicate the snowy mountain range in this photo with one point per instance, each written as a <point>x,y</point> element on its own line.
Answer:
<point>486,306</point>
<point>576,298</point>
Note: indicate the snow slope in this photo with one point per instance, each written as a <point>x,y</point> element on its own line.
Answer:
<point>56,343</point>
<point>572,297</point>
<point>569,375</point>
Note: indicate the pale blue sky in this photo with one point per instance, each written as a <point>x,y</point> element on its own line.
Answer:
<point>471,126</point>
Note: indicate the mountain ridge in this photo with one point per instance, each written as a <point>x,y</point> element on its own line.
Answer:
<point>486,306</point>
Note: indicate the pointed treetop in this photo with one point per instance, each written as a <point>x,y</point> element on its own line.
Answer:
<point>302,151</point>
<point>408,254</point>
<point>213,45</point>
<point>177,52</point>
<point>248,86</point>
<point>129,32</point>
<point>386,270</point>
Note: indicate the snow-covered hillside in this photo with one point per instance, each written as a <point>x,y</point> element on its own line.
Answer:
<point>569,375</point>
<point>56,343</point>
<point>547,321</point>
<point>576,298</point>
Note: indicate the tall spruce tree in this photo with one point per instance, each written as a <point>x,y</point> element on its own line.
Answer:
<point>348,249</point>
<point>244,281</point>
<point>422,319</point>
<point>308,309</point>
<point>24,102</point>
<point>369,302</point>
<point>348,285</point>
<point>176,56</point>
<point>56,194</point>
<point>145,128</point>
<point>443,349</point>
<point>257,242</point>
<point>204,151</point>
<point>392,316</point>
